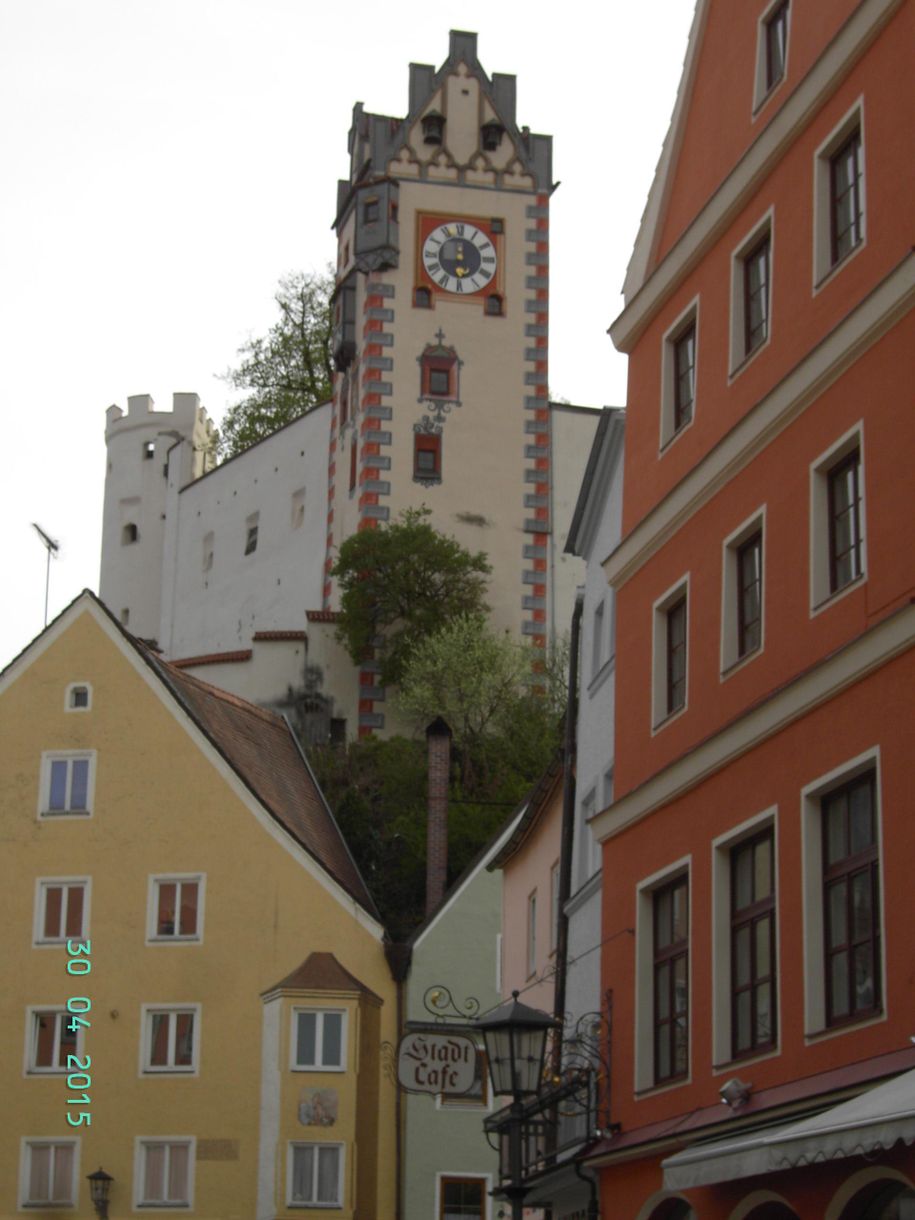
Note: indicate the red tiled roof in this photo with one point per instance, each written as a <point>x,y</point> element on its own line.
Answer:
<point>321,972</point>
<point>212,658</point>
<point>322,616</point>
<point>260,748</point>
<point>280,635</point>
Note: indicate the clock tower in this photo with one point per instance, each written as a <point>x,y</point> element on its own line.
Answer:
<point>440,340</point>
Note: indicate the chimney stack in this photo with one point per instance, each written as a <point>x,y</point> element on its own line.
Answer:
<point>438,743</point>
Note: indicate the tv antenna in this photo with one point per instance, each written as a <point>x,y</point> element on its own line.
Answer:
<point>52,548</point>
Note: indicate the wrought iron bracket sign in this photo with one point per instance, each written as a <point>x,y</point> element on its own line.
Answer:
<point>436,1063</point>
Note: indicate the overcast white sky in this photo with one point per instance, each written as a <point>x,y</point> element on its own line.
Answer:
<point>164,162</point>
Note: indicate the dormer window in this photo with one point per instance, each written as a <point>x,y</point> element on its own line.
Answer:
<point>433,127</point>
<point>491,135</point>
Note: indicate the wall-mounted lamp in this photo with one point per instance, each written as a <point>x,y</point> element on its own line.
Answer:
<point>735,1093</point>
<point>99,1186</point>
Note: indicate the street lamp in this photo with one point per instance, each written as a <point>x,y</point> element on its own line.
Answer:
<point>99,1186</point>
<point>515,1038</point>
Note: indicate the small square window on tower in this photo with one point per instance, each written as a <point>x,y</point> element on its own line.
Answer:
<point>251,528</point>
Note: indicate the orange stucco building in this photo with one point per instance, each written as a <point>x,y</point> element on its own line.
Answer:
<point>757,858</point>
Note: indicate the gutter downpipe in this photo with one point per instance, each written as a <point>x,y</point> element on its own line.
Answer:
<point>568,825</point>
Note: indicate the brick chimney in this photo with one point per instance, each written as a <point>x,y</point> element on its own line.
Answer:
<point>438,744</point>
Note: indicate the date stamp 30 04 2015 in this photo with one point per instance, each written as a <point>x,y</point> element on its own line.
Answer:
<point>79,962</point>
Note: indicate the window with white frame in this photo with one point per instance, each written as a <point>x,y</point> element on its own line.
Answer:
<point>67,778</point>
<point>319,1040</point>
<point>171,1038</point>
<point>842,896</point>
<point>663,979</point>
<point>49,1173</point>
<point>838,558</point>
<point>175,914</point>
<point>751,293</point>
<point>165,1172</point>
<point>78,697</point>
<point>839,213</point>
<point>669,652</point>
<point>51,1035</point>
<point>771,50</point>
<point>532,934</point>
<point>742,592</point>
<point>597,639</point>
<point>678,373</point>
<point>61,910</point>
<point>587,849</point>
<point>315,1175</point>
<point>745,941</point>
<point>462,1198</point>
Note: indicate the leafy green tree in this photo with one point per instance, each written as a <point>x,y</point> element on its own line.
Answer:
<point>286,372</point>
<point>399,584</point>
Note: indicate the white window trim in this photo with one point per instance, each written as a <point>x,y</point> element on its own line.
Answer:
<point>87,686</point>
<point>660,717</point>
<point>147,1011</point>
<point>152,908</point>
<point>28,1066</point>
<point>666,431</point>
<point>44,786</point>
<point>815,1027</point>
<point>730,661</point>
<point>823,267</point>
<point>597,639</point>
<point>555,912</point>
<point>586,864</point>
<point>820,467</point>
<point>485,1178</point>
<point>643,1033</point>
<point>722,846</point>
<point>139,1168</point>
<point>39,940</point>
<point>319,1039</point>
<point>762,94</point>
<point>25,1156</point>
<point>341,1172</point>
<point>739,358</point>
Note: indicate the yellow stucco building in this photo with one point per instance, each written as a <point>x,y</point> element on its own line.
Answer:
<point>195,992</point>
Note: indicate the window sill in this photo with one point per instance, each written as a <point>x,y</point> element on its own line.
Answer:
<point>764,100</point>
<point>171,940</point>
<point>667,445</point>
<point>733,666</point>
<point>860,1021</point>
<point>745,1060</point>
<point>671,716</point>
<point>831,600</point>
<point>746,360</point>
<point>664,1086</point>
<point>602,675</point>
<point>298,1067</point>
<point>65,813</point>
<point>834,268</point>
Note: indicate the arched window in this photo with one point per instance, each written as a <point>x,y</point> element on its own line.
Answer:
<point>494,305</point>
<point>882,1201</point>
<point>422,298</point>
<point>129,534</point>
<point>433,127</point>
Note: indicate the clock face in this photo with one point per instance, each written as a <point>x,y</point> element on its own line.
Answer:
<point>459,257</point>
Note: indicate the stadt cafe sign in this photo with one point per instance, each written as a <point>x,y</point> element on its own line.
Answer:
<point>436,1063</point>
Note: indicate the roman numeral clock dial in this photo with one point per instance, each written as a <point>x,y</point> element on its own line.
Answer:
<point>460,258</point>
